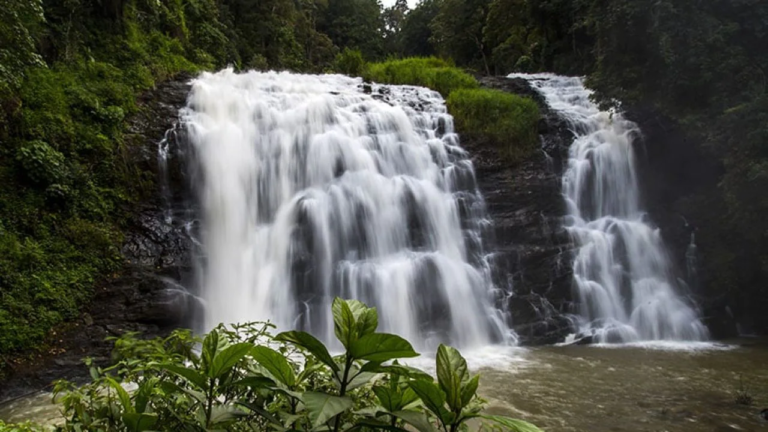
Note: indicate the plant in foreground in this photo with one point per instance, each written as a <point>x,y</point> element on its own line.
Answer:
<point>244,379</point>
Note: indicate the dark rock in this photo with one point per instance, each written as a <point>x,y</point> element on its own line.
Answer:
<point>680,181</point>
<point>367,88</point>
<point>532,252</point>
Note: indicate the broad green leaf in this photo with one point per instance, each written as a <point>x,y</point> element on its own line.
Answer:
<point>323,407</point>
<point>380,347</point>
<point>360,379</point>
<point>367,424</point>
<point>388,398</point>
<point>433,398</point>
<point>357,308</point>
<point>227,358</point>
<point>368,322</point>
<point>289,419</point>
<point>417,419</point>
<point>397,370</point>
<point>452,372</point>
<point>344,322</point>
<point>512,425</point>
<point>211,345</point>
<point>191,375</point>
<point>125,400</point>
<point>264,413</point>
<point>289,393</point>
<point>143,394</point>
<point>309,343</point>
<point>136,422</point>
<point>311,365</point>
<point>224,414</point>
<point>253,382</point>
<point>408,396</point>
<point>171,389</point>
<point>276,364</point>
<point>469,389</point>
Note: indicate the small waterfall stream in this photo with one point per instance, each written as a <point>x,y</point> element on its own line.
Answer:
<point>312,187</point>
<point>622,274</point>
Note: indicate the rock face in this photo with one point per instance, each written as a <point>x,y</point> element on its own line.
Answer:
<point>533,253</point>
<point>146,297</point>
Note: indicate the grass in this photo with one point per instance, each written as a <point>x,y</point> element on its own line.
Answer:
<point>431,72</point>
<point>508,121</point>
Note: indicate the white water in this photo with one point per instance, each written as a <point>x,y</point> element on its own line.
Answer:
<point>622,274</point>
<point>311,189</point>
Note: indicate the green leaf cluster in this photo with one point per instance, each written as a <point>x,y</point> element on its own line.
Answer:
<point>244,379</point>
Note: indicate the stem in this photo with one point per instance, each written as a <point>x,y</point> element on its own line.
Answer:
<point>343,390</point>
<point>209,403</point>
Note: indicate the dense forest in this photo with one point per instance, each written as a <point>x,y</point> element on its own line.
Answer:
<point>70,72</point>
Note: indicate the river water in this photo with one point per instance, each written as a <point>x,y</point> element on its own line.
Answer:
<point>691,388</point>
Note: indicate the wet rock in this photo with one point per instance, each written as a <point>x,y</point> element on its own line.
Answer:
<point>532,252</point>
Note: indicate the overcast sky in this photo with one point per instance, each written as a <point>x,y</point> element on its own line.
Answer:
<point>388,3</point>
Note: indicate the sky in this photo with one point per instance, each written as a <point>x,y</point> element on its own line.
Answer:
<point>388,3</point>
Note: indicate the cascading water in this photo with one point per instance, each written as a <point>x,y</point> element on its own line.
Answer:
<point>310,188</point>
<point>622,275</point>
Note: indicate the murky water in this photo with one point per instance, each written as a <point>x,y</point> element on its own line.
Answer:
<point>581,388</point>
<point>596,389</point>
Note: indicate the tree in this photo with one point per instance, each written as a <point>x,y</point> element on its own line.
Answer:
<point>415,38</point>
<point>394,17</point>
<point>355,24</point>
<point>457,32</point>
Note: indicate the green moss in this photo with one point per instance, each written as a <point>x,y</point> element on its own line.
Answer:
<point>431,72</point>
<point>505,120</point>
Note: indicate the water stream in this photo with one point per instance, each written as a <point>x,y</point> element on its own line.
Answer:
<point>311,189</point>
<point>623,279</point>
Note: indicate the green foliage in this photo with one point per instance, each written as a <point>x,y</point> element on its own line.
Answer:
<point>244,379</point>
<point>20,427</point>
<point>355,24</point>
<point>508,121</point>
<point>70,73</point>
<point>21,21</point>
<point>350,62</point>
<point>431,72</point>
<point>415,36</point>
<point>457,32</point>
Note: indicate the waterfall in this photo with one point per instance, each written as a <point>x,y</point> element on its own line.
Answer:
<point>622,275</point>
<point>316,186</point>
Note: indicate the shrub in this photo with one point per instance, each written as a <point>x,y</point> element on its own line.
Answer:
<point>41,163</point>
<point>243,378</point>
<point>430,72</point>
<point>350,62</point>
<point>502,119</point>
